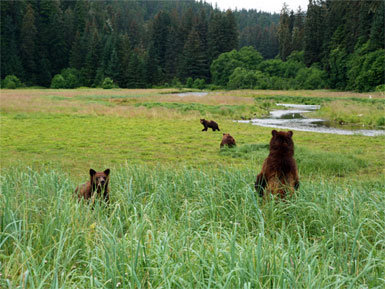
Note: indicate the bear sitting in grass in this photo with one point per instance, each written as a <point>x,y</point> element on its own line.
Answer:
<point>227,140</point>
<point>209,124</point>
<point>279,174</point>
<point>97,186</point>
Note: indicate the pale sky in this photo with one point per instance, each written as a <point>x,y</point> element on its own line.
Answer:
<point>264,5</point>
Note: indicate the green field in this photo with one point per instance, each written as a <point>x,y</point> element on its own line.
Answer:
<point>184,214</point>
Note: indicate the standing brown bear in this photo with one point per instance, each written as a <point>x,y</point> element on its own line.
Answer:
<point>228,140</point>
<point>279,171</point>
<point>212,124</point>
<point>97,186</point>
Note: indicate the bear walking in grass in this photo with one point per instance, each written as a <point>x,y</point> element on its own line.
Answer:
<point>97,186</point>
<point>227,140</point>
<point>279,174</point>
<point>209,124</point>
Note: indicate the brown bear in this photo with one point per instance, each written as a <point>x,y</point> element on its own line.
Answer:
<point>95,187</point>
<point>228,140</point>
<point>279,171</point>
<point>212,124</point>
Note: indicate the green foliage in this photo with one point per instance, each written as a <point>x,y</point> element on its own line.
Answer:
<point>189,82</point>
<point>72,77</point>
<point>108,83</point>
<point>176,83</point>
<point>372,72</point>
<point>311,78</point>
<point>170,225</point>
<point>11,82</point>
<point>380,88</point>
<point>338,67</point>
<point>226,63</point>
<point>199,83</point>
<point>58,81</point>
<point>248,71</point>
<point>222,67</point>
<point>366,69</point>
<point>242,79</point>
<point>158,42</point>
<point>69,78</point>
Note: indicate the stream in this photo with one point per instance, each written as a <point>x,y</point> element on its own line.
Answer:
<point>293,118</point>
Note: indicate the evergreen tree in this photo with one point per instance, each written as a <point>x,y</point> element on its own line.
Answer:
<point>124,52</point>
<point>160,32</point>
<point>92,60</point>
<point>313,36</point>
<point>78,52</point>
<point>377,34</point>
<point>284,33</point>
<point>194,59</point>
<point>298,31</point>
<point>11,19</point>
<point>28,45</point>
<point>230,32</point>
<point>135,71</point>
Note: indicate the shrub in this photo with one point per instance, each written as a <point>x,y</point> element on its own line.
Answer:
<point>58,81</point>
<point>316,79</point>
<point>72,77</point>
<point>311,78</point>
<point>189,82</point>
<point>175,82</point>
<point>380,121</point>
<point>11,82</point>
<point>242,78</point>
<point>262,80</point>
<point>199,83</point>
<point>380,88</point>
<point>108,83</point>
<point>222,67</point>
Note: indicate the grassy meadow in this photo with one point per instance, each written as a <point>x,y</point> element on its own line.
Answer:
<point>183,213</point>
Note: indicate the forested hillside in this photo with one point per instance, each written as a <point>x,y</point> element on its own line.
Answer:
<point>136,43</point>
<point>344,38</point>
<point>335,44</point>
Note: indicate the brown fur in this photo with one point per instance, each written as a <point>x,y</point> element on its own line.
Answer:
<point>228,140</point>
<point>95,187</point>
<point>209,124</point>
<point>279,174</point>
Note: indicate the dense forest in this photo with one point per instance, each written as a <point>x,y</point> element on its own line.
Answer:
<point>66,44</point>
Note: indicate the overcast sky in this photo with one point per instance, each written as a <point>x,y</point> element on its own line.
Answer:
<point>264,5</point>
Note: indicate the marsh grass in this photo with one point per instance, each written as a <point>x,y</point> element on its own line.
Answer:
<point>368,113</point>
<point>184,214</point>
<point>309,162</point>
<point>189,228</point>
<point>230,111</point>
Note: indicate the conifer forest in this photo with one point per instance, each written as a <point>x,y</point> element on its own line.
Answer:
<point>141,44</point>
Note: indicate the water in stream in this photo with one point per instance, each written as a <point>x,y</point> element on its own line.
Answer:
<point>294,119</point>
<point>192,93</point>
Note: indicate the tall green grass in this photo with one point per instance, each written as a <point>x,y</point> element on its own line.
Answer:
<point>189,228</point>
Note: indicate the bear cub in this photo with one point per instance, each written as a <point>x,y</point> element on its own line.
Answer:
<point>228,140</point>
<point>97,185</point>
<point>209,124</point>
<point>279,173</point>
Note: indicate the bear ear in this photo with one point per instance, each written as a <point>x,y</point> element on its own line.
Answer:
<point>223,133</point>
<point>107,172</point>
<point>274,132</point>
<point>92,172</point>
<point>290,133</point>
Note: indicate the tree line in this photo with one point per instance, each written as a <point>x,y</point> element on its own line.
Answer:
<point>138,44</point>
<point>133,43</point>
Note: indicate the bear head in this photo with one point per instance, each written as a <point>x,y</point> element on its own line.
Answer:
<point>282,142</point>
<point>99,180</point>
